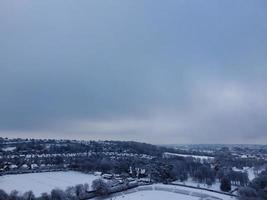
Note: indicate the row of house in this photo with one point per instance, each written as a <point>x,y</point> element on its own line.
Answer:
<point>9,167</point>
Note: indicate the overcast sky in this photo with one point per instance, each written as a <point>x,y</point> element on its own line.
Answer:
<point>175,71</point>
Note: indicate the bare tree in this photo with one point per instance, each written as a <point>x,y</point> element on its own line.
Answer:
<point>100,187</point>
<point>3,195</point>
<point>28,196</point>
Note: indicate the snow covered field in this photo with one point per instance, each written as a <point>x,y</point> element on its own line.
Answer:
<point>190,182</point>
<point>167,154</point>
<point>250,171</point>
<point>44,182</point>
<point>154,195</point>
<point>167,192</point>
<point>9,149</point>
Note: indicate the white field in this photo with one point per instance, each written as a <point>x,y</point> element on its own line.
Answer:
<point>167,192</point>
<point>194,156</point>
<point>44,182</point>
<point>9,149</point>
<point>250,171</point>
<point>154,195</point>
<point>190,182</point>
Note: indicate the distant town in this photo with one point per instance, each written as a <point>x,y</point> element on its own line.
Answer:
<point>110,167</point>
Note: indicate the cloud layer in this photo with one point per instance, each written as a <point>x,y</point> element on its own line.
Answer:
<point>178,72</point>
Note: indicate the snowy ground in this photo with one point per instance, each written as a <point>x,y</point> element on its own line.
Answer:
<point>154,195</point>
<point>190,182</point>
<point>44,182</point>
<point>250,171</point>
<point>185,155</point>
<point>216,185</point>
<point>9,149</point>
<point>167,192</point>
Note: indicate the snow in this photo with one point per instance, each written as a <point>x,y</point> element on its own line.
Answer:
<point>155,195</point>
<point>215,186</point>
<point>9,149</point>
<point>250,171</point>
<point>167,192</point>
<point>44,182</point>
<point>24,166</point>
<point>190,182</point>
<point>13,166</point>
<point>211,194</point>
<point>185,155</point>
<point>251,174</point>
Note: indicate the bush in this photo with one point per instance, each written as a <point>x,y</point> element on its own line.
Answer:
<point>100,187</point>
<point>225,185</point>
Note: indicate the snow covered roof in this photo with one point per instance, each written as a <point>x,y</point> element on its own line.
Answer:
<point>13,166</point>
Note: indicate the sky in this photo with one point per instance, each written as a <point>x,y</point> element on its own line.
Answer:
<point>162,72</point>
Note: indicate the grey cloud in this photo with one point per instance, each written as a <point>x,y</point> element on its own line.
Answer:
<point>179,71</point>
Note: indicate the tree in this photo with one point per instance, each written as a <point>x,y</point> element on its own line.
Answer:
<point>45,196</point>
<point>100,187</point>
<point>209,182</point>
<point>57,194</point>
<point>179,171</point>
<point>59,160</point>
<point>71,193</point>
<point>105,165</point>
<point>247,193</point>
<point>183,176</point>
<point>225,184</point>
<point>80,190</point>
<point>14,195</point>
<point>260,184</point>
<point>28,196</point>
<point>3,195</point>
